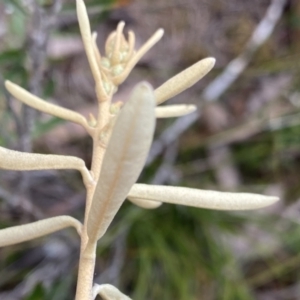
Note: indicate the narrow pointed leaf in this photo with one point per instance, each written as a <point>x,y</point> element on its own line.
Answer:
<point>85,30</point>
<point>16,160</point>
<point>18,234</point>
<point>183,80</point>
<point>41,105</point>
<point>147,204</point>
<point>200,198</point>
<point>170,111</point>
<point>23,161</point>
<point>124,158</point>
<point>108,292</point>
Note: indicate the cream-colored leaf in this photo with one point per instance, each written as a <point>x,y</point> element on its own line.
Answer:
<point>108,292</point>
<point>96,50</point>
<point>23,161</point>
<point>115,55</point>
<point>18,234</point>
<point>183,80</point>
<point>124,158</point>
<point>170,111</point>
<point>147,204</point>
<point>85,30</point>
<point>41,105</point>
<point>200,198</point>
<point>16,160</point>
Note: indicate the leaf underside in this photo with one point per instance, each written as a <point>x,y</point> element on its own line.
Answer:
<point>124,158</point>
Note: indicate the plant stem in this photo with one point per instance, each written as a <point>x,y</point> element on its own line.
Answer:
<point>88,249</point>
<point>86,273</point>
<point>87,258</point>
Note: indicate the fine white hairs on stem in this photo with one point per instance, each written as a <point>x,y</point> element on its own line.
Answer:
<point>22,233</point>
<point>200,198</point>
<point>183,80</point>
<point>46,107</point>
<point>124,159</point>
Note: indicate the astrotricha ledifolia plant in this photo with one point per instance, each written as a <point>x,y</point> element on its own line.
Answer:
<point>122,133</point>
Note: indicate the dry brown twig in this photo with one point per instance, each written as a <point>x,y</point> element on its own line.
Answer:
<point>121,140</point>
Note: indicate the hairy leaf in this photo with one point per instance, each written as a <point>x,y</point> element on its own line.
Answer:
<point>200,198</point>
<point>16,160</point>
<point>124,158</point>
<point>23,161</point>
<point>183,80</point>
<point>22,233</point>
<point>41,105</point>
<point>85,30</point>
<point>170,111</point>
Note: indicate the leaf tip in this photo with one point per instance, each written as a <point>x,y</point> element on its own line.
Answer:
<point>160,32</point>
<point>8,84</point>
<point>270,200</point>
<point>208,63</point>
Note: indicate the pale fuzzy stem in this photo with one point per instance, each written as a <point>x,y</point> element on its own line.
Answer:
<point>87,257</point>
<point>92,120</point>
<point>108,292</point>
<point>41,105</point>
<point>96,50</point>
<point>117,44</point>
<point>87,39</point>
<point>200,198</point>
<point>22,161</point>
<point>98,147</point>
<point>183,80</point>
<point>86,271</point>
<point>147,204</point>
<point>18,234</point>
<point>171,111</point>
<point>144,49</point>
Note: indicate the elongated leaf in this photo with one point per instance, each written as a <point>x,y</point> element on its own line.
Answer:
<point>183,80</point>
<point>148,204</point>
<point>170,111</point>
<point>124,158</point>
<point>85,30</point>
<point>200,198</point>
<point>27,232</point>
<point>22,161</point>
<point>41,105</point>
<point>16,160</point>
<point>108,292</point>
